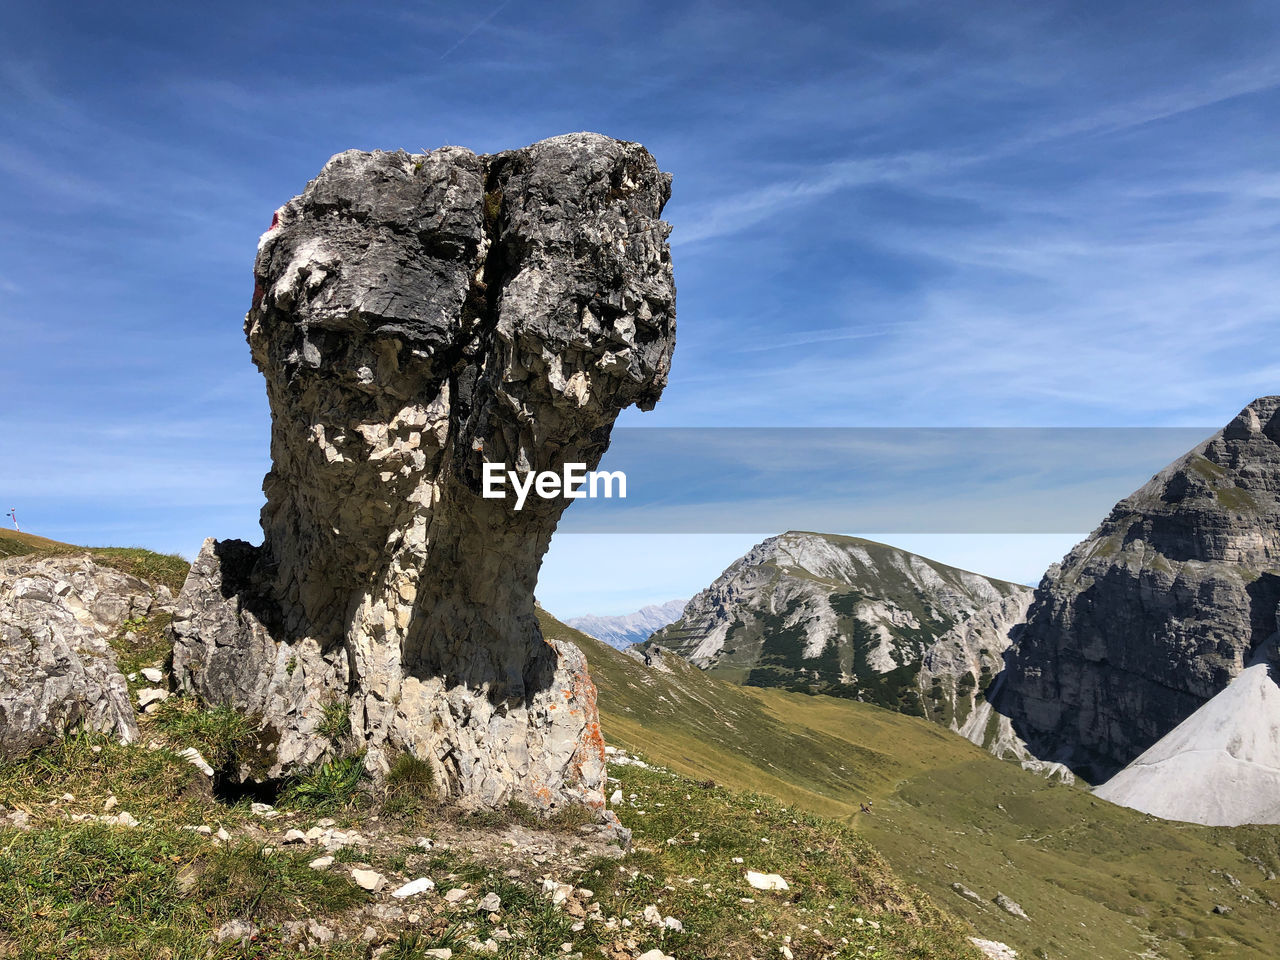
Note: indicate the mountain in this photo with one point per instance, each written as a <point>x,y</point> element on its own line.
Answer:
<point>626,629</point>
<point>1098,881</point>
<point>830,614</point>
<point>1158,610</point>
<point>1232,743</point>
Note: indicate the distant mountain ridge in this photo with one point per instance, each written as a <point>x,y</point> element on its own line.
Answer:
<point>625,629</point>
<point>824,613</point>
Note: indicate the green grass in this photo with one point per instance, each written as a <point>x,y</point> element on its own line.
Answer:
<point>335,720</point>
<point>149,645</point>
<point>841,889</point>
<point>167,569</point>
<point>1099,881</point>
<point>223,735</point>
<point>88,890</point>
<point>332,787</point>
<point>91,891</point>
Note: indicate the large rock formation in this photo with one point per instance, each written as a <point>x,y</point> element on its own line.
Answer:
<point>415,316</point>
<point>830,614</point>
<point>58,672</point>
<point>1159,609</point>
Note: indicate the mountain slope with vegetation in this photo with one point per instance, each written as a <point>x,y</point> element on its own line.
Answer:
<point>821,613</point>
<point>1097,881</point>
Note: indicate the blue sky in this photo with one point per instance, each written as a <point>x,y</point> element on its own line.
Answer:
<point>886,214</point>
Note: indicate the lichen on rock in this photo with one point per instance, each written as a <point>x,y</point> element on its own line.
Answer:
<point>415,316</point>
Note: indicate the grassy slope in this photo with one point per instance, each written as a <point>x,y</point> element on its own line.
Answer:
<point>1098,881</point>
<point>166,569</point>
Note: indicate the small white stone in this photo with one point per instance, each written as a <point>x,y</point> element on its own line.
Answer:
<point>151,695</point>
<point>193,757</point>
<point>152,674</point>
<point>110,804</point>
<point>654,954</point>
<point>222,834</point>
<point>369,880</point>
<point>236,931</point>
<point>615,798</point>
<point>766,881</point>
<point>321,863</point>
<point>413,888</point>
<point>294,836</point>
<point>455,895</point>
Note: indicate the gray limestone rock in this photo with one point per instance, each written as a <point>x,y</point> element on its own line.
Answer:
<point>830,614</point>
<point>57,672</point>
<point>1159,609</point>
<point>415,316</point>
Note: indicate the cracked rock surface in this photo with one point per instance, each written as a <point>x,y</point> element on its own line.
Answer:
<point>1159,609</point>
<point>414,316</point>
<point>58,673</point>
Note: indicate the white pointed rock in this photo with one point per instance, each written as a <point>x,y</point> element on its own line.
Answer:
<point>1220,766</point>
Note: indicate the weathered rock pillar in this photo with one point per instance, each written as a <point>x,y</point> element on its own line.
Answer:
<point>413,316</point>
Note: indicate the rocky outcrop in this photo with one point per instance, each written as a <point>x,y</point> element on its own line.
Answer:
<point>415,316</point>
<point>830,614</point>
<point>957,669</point>
<point>58,672</point>
<point>1159,609</point>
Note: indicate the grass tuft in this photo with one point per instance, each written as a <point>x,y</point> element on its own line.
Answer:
<point>221,734</point>
<point>332,787</point>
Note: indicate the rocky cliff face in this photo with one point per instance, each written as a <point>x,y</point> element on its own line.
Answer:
<point>830,614</point>
<point>415,316</point>
<point>957,669</point>
<point>1159,609</point>
<point>58,672</point>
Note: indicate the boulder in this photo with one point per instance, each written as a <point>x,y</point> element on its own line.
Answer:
<point>414,317</point>
<point>58,672</point>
